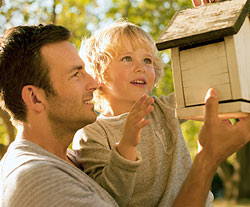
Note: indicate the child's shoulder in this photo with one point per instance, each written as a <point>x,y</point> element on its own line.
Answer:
<point>166,101</point>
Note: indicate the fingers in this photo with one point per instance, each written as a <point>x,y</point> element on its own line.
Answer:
<point>143,123</point>
<point>136,121</point>
<point>140,110</point>
<point>243,127</point>
<point>145,99</point>
<point>227,122</point>
<point>143,106</point>
<point>211,106</point>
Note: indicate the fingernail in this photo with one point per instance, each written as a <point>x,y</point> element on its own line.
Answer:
<point>210,93</point>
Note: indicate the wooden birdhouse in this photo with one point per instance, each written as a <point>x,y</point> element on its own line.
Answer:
<point>210,48</point>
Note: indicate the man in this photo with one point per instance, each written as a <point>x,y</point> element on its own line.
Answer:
<point>47,92</point>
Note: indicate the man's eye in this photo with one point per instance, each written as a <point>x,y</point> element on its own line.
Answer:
<point>127,59</point>
<point>76,74</point>
<point>148,61</point>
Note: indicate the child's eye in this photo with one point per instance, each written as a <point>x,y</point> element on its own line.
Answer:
<point>127,59</point>
<point>148,61</point>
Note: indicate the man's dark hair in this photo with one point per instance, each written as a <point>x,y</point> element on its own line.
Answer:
<point>21,64</point>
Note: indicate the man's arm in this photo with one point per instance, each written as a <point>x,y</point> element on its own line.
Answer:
<point>218,139</point>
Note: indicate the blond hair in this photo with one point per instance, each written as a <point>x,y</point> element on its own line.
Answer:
<point>99,50</point>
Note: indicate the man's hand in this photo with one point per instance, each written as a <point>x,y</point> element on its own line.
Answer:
<point>219,138</point>
<point>133,127</point>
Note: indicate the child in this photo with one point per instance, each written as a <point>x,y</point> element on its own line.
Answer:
<point>148,166</point>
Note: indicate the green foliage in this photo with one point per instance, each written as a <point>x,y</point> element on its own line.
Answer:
<point>165,86</point>
<point>3,133</point>
<point>72,14</point>
<point>190,130</point>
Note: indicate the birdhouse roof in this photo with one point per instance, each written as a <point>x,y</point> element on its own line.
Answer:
<point>204,23</point>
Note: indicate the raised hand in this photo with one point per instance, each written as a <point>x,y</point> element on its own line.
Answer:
<point>219,138</point>
<point>133,127</point>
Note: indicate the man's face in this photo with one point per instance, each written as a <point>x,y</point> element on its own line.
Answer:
<point>70,107</point>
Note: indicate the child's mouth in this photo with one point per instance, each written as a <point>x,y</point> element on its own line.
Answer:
<point>138,82</point>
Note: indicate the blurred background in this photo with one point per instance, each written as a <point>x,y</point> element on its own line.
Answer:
<point>231,184</point>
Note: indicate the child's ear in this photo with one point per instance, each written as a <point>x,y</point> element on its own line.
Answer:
<point>101,86</point>
<point>101,83</point>
<point>33,97</point>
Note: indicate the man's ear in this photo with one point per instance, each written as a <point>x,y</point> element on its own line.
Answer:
<point>34,98</point>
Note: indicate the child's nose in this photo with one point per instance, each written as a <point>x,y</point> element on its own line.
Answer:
<point>139,67</point>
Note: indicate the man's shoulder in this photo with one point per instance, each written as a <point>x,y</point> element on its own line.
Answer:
<point>19,156</point>
<point>43,183</point>
<point>23,166</point>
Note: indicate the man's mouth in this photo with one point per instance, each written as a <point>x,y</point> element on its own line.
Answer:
<point>89,101</point>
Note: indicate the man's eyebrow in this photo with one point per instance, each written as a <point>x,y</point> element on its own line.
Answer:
<point>76,67</point>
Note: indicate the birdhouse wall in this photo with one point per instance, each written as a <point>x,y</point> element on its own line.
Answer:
<point>242,54</point>
<point>204,67</point>
<point>223,65</point>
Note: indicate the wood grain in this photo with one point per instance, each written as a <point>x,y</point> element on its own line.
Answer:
<point>204,23</point>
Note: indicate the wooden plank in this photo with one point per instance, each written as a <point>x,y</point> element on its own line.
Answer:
<point>203,68</point>
<point>204,23</point>
<point>242,47</point>
<point>179,95</point>
<point>226,111</point>
<point>233,69</point>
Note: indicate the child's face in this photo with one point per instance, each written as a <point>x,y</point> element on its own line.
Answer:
<point>131,74</point>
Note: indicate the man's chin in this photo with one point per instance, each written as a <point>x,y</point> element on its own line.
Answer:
<point>91,119</point>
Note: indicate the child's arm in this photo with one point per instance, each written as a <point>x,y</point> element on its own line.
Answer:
<point>115,173</point>
<point>101,161</point>
<point>218,139</point>
<point>127,147</point>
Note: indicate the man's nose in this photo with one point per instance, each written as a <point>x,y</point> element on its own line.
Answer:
<point>93,85</point>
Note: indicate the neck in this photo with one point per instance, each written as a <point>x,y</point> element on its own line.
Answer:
<point>46,137</point>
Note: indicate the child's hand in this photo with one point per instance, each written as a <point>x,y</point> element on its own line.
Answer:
<point>135,120</point>
<point>133,127</point>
